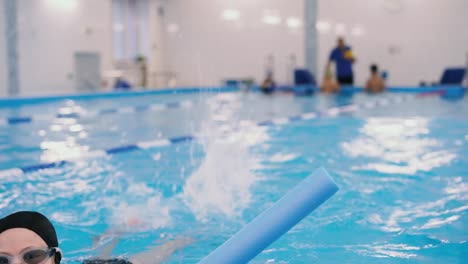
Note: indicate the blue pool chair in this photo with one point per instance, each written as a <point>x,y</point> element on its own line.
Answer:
<point>304,82</point>
<point>453,76</point>
<point>121,84</point>
<point>231,82</point>
<point>303,76</point>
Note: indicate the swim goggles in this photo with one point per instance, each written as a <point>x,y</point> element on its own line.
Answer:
<point>30,256</point>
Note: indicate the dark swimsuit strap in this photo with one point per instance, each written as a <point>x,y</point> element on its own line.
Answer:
<point>106,261</point>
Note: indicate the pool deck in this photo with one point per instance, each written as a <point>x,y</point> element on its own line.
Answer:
<point>21,100</point>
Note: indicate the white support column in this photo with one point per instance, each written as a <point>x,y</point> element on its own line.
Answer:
<point>311,41</point>
<point>11,41</point>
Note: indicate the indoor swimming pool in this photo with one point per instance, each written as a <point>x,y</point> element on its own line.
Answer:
<point>142,170</point>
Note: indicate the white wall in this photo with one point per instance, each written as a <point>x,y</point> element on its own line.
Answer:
<point>414,41</point>
<point>204,49</point>
<point>3,69</point>
<point>50,32</point>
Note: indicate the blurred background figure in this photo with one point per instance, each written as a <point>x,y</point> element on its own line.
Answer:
<point>141,60</point>
<point>152,255</point>
<point>268,85</point>
<point>158,252</point>
<point>376,83</point>
<point>329,84</point>
<point>343,58</point>
<point>121,84</point>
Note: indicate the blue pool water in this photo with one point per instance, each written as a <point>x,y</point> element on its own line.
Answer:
<point>402,170</point>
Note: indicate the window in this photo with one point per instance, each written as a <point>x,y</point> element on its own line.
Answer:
<point>130,34</point>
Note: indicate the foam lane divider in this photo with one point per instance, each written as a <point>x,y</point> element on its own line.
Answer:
<point>158,143</point>
<point>127,148</point>
<point>274,222</point>
<point>339,110</point>
<point>124,110</point>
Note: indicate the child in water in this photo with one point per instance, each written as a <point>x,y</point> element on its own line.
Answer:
<point>268,85</point>
<point>375,84</point>
<point>329,84</point>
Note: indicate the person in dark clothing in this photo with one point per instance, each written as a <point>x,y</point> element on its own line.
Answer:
<point>269,85</point>
<point>343,58</point>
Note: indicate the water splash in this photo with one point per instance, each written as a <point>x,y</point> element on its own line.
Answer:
<point>139,217</point>
<point>221,185</point>
<point>283,157</point>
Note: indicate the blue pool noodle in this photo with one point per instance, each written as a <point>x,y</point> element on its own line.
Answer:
<point>275,221</point>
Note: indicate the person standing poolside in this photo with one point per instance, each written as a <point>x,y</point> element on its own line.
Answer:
<point>343,58</point>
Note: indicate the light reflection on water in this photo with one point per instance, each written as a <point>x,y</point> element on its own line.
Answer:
<point>400,146</point>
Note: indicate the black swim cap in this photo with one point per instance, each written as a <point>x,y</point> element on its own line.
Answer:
<point>35,222</point>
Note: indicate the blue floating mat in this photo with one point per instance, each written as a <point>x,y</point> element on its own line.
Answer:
<point>454,92</point>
